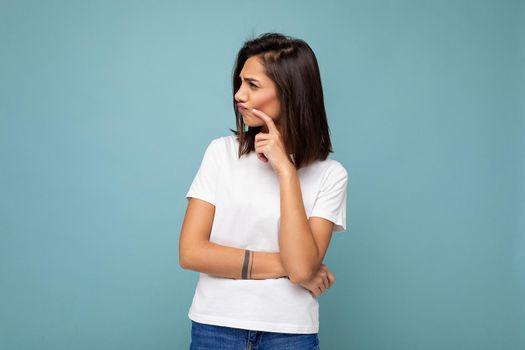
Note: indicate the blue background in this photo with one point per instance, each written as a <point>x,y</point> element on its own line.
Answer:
<point>106,108</point>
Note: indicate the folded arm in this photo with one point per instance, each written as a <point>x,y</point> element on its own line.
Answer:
<point>303,241</point>
<point>224,261</point>
<point>197,253</point>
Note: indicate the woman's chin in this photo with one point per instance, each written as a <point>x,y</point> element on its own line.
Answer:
<point>249,121</point>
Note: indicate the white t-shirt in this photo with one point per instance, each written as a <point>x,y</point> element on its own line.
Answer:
<point>245,193</point>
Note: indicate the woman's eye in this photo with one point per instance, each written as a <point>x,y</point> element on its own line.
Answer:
<point>252,84</point>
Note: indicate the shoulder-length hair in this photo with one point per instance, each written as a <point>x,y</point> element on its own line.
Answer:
<point>291,64</point>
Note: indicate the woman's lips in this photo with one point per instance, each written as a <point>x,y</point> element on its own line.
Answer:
<point>242,109</point>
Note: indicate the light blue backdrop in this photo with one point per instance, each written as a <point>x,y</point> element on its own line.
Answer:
<point>106,108</point>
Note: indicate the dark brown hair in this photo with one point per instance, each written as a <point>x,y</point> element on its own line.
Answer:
<point>291,64</point>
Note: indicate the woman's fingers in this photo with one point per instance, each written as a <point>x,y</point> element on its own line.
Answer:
<point>328,275</point>
<point>262,136</point>
<point>323,280</point>
<point>262,157</point>
<point>331,278</point>
<point>259,149</point>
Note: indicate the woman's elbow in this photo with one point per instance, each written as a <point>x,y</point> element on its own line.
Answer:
<point>183,262</point>
<point>185,259</point>
<point>299,277</point>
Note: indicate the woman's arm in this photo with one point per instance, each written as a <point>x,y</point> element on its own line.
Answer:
<point>300,252</point>
<point>223,261</point>
<point>197,253</point>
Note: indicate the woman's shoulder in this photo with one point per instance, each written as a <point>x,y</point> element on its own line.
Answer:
<point>330,165</point>
<point>224,139</point>
<point>337,166</point>
<point>223,144</point>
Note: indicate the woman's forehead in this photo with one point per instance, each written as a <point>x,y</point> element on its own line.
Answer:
<point>252,70</point>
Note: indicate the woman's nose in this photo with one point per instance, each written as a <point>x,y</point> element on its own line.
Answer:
<point>240,96</point>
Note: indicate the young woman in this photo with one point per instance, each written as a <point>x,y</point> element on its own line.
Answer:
<point>263,205</point>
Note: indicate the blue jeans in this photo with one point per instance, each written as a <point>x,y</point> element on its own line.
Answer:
<point>212,337</point>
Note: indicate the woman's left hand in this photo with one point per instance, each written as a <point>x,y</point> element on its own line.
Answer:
<point>322,280</point>
<point>269,146</point>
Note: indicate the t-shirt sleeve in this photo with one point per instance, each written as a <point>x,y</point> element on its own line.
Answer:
<point>330,203</point>
<point>204,185</point>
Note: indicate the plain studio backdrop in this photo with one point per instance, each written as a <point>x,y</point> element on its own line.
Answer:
<point>106,108</point>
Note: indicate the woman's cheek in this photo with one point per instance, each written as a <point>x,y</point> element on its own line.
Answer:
<point>268,104</point>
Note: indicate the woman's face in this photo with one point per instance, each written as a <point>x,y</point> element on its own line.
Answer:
<point>257,91</point>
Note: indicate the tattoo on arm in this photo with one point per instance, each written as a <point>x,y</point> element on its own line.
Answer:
<point>251,265</point>
<point>248,262</point>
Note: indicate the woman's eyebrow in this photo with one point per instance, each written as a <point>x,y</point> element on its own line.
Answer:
<point>250,79</point>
